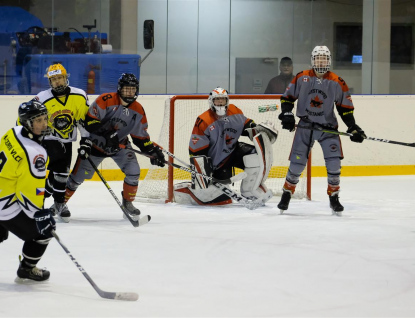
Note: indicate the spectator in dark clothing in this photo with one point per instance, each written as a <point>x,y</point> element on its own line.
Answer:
<point>278,84</point>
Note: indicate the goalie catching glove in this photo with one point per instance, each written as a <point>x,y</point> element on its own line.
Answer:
<point>266,127</point>
<point>157,154</point>
<point>357,132</point>
<point>84,149</point>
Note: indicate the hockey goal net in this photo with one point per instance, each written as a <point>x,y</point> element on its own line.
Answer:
<point>180,114</point>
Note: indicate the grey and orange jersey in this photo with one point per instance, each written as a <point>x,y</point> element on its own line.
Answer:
<point>317,97</point>
<point>107,113</point>
<point>217,137</point>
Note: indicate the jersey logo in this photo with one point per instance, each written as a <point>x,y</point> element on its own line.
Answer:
<point>211,127</point>
<point>228,139</point>
<point>316,102</point>
<point>195,140</point>
<point>94,110</point>
<point>305,79</point>
<point>333,147</point>
<point>40,163</point>
<point>349,98</point>
<point>40,191</point>
<point>7,202</point>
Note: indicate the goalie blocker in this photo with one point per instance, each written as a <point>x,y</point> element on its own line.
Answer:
<point>256,167</point>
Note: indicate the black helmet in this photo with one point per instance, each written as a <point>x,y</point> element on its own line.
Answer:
<point>128,79</point>
<point>30,110</point>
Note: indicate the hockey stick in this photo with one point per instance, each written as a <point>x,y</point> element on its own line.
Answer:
<point>248,203</point>
<point>102,293</point>
<point>145,219</point>
<point>330,131</point>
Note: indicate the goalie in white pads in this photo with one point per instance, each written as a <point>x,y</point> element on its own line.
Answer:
<point>215,151</point>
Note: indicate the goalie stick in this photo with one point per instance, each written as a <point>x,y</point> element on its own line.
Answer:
<point>102,293</point>
<point>330,131</point>
<point>136,223</point>
<point>248,203</point>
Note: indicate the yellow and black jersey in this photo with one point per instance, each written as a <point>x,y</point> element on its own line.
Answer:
<point>65,112</point>
<point>23,165</point>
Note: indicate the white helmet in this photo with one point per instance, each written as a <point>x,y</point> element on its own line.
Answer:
<point>218,92</point>
<point>324,52</point>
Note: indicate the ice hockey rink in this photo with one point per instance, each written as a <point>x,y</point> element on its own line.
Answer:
<point>229,262</point>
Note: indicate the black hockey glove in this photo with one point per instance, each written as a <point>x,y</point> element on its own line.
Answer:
<point>112,144</point>
<point>84,149</point>
<point>287,120</point>
<point>45,222</point>
<point>4,234</point>
<point>158,157</point>
<point>358,134</point>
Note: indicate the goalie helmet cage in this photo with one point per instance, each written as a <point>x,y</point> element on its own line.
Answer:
<point>180,113</point>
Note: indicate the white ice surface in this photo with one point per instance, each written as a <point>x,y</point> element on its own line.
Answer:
<point>229,262</point>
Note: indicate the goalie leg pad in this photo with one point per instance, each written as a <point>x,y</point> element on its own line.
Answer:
<point>203,165</point>
<point>257,167</point>
<point>184,194</point>
<point>253,185</point>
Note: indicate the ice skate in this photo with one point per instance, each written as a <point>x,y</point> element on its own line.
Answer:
<point>130,208</point>
<point>285,200</point>
<point>61,211</point>
<point>336,207</point>
<point>26,274</point>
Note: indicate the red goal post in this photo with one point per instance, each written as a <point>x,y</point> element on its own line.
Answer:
<point>180,114</point>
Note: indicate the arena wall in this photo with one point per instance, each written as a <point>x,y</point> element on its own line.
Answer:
<point>383,116</point>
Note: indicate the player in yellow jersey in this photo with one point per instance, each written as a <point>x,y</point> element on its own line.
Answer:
<point>23,162</point>
<point>67,107</point>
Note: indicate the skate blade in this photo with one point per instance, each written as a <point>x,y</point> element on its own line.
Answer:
<point>338,213</point>
<point>27,281</point>
<point>282,211</point>
<point>63,219</point>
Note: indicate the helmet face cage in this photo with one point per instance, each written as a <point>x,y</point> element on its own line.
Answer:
<point>321,59</point>
<point>128,79</point>
<point>29,111</point>
<point>219,92</point>
<point>55,70</point>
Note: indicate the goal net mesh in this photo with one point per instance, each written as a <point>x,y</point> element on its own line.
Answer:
<point>180,113</point>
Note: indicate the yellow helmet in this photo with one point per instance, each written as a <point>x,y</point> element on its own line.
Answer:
<point>55,70</point>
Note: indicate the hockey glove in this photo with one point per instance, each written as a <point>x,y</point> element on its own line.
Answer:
<point>358,134</point>
<point>287,120</point>
<point>84,149</point>
<point>112,142</point>
<point>45,222</point>
<point>158,157</point>
<point>4,234</point>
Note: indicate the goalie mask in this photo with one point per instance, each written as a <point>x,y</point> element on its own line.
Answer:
<point>58,78</point>
<point>219,101</point>
<point>128,86</point>
<point>29,117</point>
<point>321,59</point>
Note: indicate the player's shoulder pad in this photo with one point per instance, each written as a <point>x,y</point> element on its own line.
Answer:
<point>44,96</point>
<point>205,119</point>
<point>334,77</point>
<point>137,107</point>
<point>233,110</point>
<point>108,99</point>
<point>77,91</point>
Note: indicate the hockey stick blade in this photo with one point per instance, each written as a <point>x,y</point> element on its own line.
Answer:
<point>144,220</point>
<point>119,296</point>
<point>100,292</point>
<point>135,223</point>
